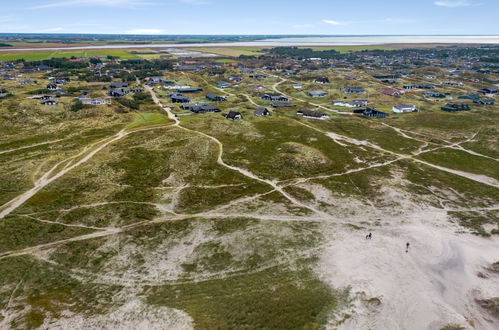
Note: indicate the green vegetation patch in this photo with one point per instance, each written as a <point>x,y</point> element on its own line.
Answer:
<point>300,193</point>
<point>148,118</point>
<point>459,191</point>
<point>275,147</point>
<point>475,221</point>
<point>42,291</point>
<point>461,160</point>
<point>276,298</point>
<point>453,327</point>
<point>18,232</point>
<point>114,214</point>
<point>369,130</point>
<point>45,55</point>
<point>194,199</point>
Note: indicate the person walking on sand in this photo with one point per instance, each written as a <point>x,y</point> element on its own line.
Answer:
<point>407,247</point>
<point>369,236</point>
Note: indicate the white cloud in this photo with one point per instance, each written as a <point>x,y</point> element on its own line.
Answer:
<point>146,31</point>
<point>93,3</point>
<point>330,21</point>
<point>455,3</point>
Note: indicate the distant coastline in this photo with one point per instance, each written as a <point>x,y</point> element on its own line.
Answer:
<point>275,41</point>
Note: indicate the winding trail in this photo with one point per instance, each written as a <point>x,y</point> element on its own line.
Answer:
<point>221,162</point>
<point>451,145</point>
<point>29,146</point>
<point>342,138</point>
<point>49,176</point>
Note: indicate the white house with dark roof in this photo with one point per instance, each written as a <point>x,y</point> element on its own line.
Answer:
<point>404,108</point>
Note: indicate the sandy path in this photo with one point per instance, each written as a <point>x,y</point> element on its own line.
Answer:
<point>221,162</point>
<point>49,176</point>
<point>451,145</point>
<point>342,139</point>
<point>29,146</point>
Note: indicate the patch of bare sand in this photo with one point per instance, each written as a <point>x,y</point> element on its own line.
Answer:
<point>432,285</point>
<point>156,266</point>
<point>334,203</point>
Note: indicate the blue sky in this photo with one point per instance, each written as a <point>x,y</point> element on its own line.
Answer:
<point>251,16</point>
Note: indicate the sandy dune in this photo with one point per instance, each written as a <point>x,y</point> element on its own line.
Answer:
<point>432,285</point>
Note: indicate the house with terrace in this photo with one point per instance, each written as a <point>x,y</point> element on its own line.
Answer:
<point>269,97</point>
<point>351,104</point>
<point>179,98</point>
<point>189,90</point>
<point>437,95</point>
<point>49,102</point>
<point>52,87</point>
<point>3,92</point>
<point>316,94</point>
<point>94,101</point>
<point>393,92</point>
<point>215,98</point>
<point>262,112</point>
<point>236,79</point>
<point>354,90</point>
<point>119,92</point>
<point>455,107</point>
<point>371,113</point>
<point>403,108</point>
<point>200,108</point>
<point>312,114</point>
<point>321,80</point>
<point>234,115</point>
<point>489,90</point>
<point>281,104</point>
<point>223,84</point>
<point>118,85</point>
<point>484,101</point>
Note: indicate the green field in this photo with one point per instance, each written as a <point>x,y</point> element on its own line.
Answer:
<point>347,49</point>
<point>44,55</point>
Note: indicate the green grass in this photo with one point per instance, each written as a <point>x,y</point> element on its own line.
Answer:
<point>274,147</point>
<point>475,221</point>
<point>194,200</point>
<point>226,60</point>
<point>19,232</point>
<point>300,193</point>
<point>45,291</point>
<point>461,160</point>
<point>452,327</point>
<point>230,51</point>
<point>148,118</point>
<point>463,192</point>
<point>44,55</point>
<point>348,49</point>
<point>272,299</point>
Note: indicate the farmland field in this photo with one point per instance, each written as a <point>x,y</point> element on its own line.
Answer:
<point>44,55</point>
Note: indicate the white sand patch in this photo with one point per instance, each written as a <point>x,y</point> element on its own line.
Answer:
<point>134,315</point>
<point>334,204</point>
<point>157,266</point>
<point>432,285</point>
